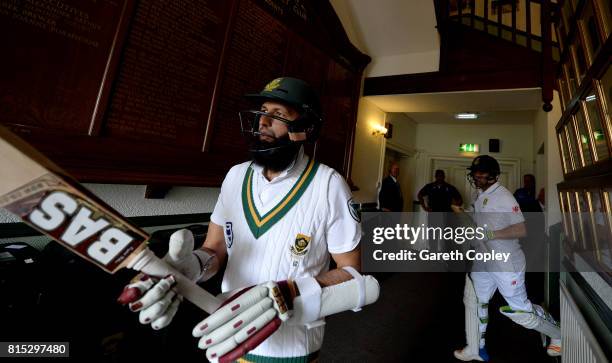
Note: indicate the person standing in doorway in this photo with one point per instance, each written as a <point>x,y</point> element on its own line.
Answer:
<point>440,195</point>
<point>390,197</point>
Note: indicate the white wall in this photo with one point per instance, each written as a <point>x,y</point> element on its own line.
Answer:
<point>554,172</point>
<point>516,142</point>
<point>343,10</point>
<point>404,132</point>
<point>443,139</point>
<point>404,64</point>
<point>540,136</point>
<point>129,200</point>
<point>368,152</point>
<point>399,35</point>
<point>544,132</point>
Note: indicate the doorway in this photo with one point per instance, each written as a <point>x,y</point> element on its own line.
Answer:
<point>456,171</point>
<point>402,159</point>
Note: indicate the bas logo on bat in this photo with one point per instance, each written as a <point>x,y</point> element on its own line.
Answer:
<point>52,213</point>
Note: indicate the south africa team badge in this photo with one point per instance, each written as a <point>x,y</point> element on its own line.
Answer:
<point>229,234</point>
<point>300,246</point>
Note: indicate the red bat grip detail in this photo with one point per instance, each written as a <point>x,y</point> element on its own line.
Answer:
<point>147,262</point>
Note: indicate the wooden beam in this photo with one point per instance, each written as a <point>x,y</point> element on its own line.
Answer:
<point>528,22</point>
<point>514,21</point>
<point>548,76</point>
<point>486,16</point>
<point>472,12</point>
<point>500,6</point>
<point>450,82</point>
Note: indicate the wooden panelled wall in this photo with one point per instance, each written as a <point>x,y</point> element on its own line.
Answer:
<point>127,91</point>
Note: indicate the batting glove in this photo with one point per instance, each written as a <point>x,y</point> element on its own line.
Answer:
<point>245,320</point>
<point>156,300</point>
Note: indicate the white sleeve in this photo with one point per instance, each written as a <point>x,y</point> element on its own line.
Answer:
<point>343,229</point>
<point>219,215</point>
<point>511,209</point>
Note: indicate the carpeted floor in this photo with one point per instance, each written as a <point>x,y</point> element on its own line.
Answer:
<point>420,318</point>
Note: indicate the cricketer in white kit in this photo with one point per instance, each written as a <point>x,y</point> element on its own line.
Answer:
<point>497,211</point>
<point>286,229</point>
<point>278,221</point>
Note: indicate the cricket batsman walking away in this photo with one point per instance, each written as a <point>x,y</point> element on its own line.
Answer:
<point>278,221</point>
<point>496,210</point>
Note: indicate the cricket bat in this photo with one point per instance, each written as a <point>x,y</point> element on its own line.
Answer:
<point>48,199</point>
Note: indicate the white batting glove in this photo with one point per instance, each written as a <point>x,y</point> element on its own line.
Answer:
<point>250,316</point>
<point>245,320</point>
<point>192,264</point>
<point>157,301</point>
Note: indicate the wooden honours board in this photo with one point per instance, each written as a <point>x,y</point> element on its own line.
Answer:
<point>57,61</point>
<point>148,91</point>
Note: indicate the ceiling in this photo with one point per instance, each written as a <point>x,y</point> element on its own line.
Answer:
<point>519,106</point>
<point>491,117</point>
<point>401,37</point>
<point>390,27</point>
<point>470,101</point>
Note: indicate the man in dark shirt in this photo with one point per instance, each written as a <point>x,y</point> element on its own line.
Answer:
<point>440,195</point>
<point>526,196</point>
<point>390,196</point>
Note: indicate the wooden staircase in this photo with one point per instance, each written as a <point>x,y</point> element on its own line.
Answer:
<point>486,44</point>
<point>517,22</point>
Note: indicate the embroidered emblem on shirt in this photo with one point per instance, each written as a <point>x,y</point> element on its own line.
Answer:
<point>485,201</point>
<point>300,245</point>
<point>515,209</point>
<point>354,209</point>
<point>229,234</point>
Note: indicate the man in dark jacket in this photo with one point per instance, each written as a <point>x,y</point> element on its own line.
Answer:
<point>526,196</point>
<point>390,196</point>
<point>440,195</point>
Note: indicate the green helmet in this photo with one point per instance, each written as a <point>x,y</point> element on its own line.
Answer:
<point>297,94</point>
<point>292,91</point>
<point>485,164</point>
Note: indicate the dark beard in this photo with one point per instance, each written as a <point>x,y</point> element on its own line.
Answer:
<point>277,159</point>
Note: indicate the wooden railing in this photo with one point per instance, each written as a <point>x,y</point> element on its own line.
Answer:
<point>524,22</point>
<point>520,21</point>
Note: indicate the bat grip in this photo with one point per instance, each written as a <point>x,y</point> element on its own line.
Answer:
<point>147,262</point>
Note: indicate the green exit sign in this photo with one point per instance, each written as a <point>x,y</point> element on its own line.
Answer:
<point>469,148</point>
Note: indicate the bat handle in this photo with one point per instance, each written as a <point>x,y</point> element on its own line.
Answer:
<point>147,262</point>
